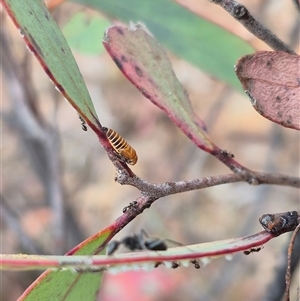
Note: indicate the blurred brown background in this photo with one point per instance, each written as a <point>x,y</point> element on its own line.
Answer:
<point>84,198</point>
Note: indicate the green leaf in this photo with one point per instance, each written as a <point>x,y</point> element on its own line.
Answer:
<point>44,38</point>
<point>83,31</point>
<point>66,285</point>
<point>204,44</point>
<point>146,65</point>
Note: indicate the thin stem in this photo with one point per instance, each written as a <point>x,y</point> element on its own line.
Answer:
<point>168,188</point>
<point>288,268</point>
<point>241,14</point>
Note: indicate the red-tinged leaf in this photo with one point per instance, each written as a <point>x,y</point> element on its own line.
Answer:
<point>44,38</point>
<point>272,81</point>
<point>146,65</point>
<point>67,284</point>
<point>73,265</point>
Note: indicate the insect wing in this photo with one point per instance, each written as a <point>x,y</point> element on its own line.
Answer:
<point>112,247</point>
<point>155,244</point>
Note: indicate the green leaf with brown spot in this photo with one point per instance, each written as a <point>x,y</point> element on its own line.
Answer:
<point>144,62</point>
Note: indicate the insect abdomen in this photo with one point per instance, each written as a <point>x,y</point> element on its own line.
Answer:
<point>121,147</point>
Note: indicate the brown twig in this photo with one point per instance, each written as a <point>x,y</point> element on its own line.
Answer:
<point>288,268</point>
<point>275,290</point>
<point>152,192</point>
<point>241,14</point>
<point>168,188</point>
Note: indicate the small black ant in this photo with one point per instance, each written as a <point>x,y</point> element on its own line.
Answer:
<point>130,206</point>
<point>252,250</point>
<point>175,265</point>
<point>139,241</point>
<point>83,124</point>
<point>157,264</point>
<point>195,263</point>
<point>226,153</point>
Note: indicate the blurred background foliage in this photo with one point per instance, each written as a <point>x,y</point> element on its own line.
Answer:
<point>203,56</point>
